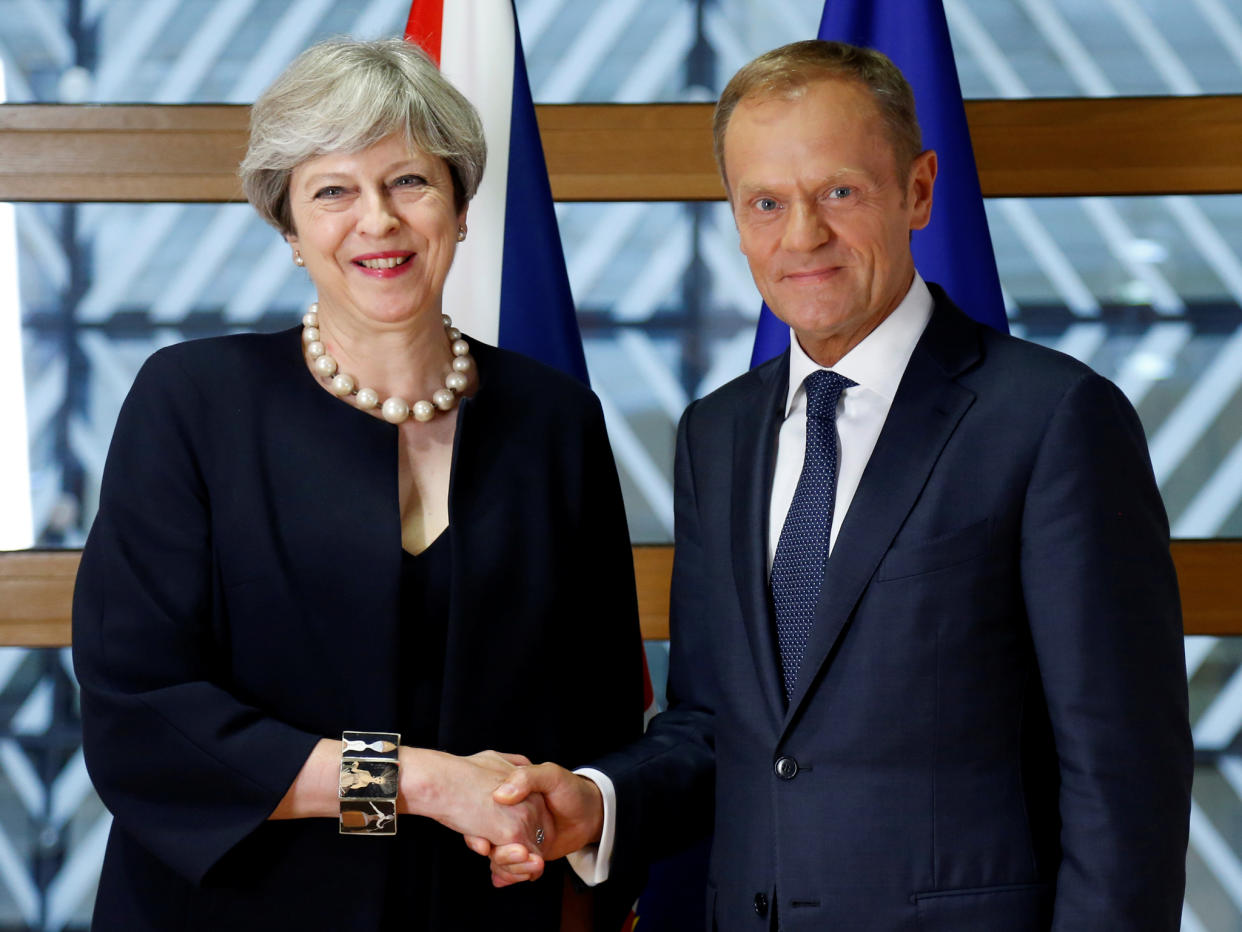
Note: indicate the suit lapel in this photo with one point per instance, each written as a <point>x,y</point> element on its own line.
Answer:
<point>754,458</point>
<point>926,410</point>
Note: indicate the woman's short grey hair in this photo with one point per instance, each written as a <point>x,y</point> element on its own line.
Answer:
<point>344,95</point>
<point>783,72</point>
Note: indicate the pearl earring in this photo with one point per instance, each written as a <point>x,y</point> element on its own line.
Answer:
<point>461,234</point>
<point>297,259</point>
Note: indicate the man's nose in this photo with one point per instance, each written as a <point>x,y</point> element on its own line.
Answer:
<point>806,229</point>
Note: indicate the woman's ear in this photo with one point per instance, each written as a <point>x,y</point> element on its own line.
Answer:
<point>292,240</point>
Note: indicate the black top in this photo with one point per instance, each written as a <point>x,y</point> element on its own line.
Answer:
<point>421,634</point>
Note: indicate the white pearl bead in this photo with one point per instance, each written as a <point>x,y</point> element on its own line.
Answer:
<point>395,410</point>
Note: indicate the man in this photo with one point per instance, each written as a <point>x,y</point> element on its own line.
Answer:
<point>970,716</point>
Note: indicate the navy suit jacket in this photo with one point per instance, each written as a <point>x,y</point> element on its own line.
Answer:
<point>990,726</point>
<point>238,600</point>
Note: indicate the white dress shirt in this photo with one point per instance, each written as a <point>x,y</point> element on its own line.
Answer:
<point>876,364</point>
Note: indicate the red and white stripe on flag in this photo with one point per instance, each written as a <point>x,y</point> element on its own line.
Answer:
<point>473,42</point>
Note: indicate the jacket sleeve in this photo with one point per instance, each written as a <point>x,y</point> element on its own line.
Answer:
<point>665,782</point>
<point>186,767</point>
<point>1105,618</point>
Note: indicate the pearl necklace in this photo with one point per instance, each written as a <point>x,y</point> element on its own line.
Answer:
<point>394,410</point>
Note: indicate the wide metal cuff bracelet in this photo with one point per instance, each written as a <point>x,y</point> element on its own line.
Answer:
<point>369,777</point>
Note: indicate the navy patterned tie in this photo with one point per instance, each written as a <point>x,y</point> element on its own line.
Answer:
<point>798,567</point>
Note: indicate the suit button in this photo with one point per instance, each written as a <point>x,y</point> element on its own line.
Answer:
<point>786,768</point>
<point>761,904</point>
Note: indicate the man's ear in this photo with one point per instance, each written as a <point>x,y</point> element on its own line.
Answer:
<point>922,180</point>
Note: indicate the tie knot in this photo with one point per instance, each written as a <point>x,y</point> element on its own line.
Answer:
<point>823,390</point>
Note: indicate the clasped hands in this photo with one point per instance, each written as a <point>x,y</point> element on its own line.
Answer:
<point>535,814</point>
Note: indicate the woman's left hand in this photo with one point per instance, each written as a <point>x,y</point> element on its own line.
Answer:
<point>457,793</point>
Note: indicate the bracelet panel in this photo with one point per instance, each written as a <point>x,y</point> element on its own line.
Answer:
<point>369,777</point>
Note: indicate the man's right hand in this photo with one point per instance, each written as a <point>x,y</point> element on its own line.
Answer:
<point>577,816</point>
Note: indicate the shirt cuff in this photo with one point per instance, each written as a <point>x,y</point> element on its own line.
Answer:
<point>593,862</point>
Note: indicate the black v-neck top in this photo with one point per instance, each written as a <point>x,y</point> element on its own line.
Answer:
<point>422,632</point>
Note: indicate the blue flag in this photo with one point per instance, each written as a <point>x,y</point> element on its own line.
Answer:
<point>955,249</point>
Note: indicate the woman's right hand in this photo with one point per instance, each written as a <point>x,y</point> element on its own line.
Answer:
<point>457,793</point>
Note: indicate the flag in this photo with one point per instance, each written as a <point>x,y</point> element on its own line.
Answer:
<point>508,284</point>
<point>955,249</point>
<point>510,287</point>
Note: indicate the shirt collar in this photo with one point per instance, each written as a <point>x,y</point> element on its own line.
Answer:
<point>879,361</point>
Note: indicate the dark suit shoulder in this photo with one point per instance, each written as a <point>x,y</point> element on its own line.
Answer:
<point>224,365</point>
<point>987,360</point>
<point>1029,370</point>
<point>205,353</point>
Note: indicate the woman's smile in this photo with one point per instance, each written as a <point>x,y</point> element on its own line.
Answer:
<point>385,264</point>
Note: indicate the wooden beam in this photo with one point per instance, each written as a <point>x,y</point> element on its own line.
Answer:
<point>36,591</point>
<point>36,594</point>
<point>653,568</point>
<point>638,152</point>
<point>630,152</point>
<point>1111,146</point>
<point>1209,573</point>
<point>51,152</point>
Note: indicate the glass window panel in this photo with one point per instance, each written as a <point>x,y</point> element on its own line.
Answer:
<point>612,50</point>
<point>1146,290</point>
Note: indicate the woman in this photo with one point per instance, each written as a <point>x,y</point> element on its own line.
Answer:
<point>350,555</point>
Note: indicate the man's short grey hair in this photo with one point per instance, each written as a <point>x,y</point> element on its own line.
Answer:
<point>344,95</point>
<point>784,71</point>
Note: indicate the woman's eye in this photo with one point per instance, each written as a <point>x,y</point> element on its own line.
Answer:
<point>409,181</point>
<point>329,191</point>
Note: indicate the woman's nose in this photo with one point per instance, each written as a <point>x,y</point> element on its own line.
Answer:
<point>377,217</point>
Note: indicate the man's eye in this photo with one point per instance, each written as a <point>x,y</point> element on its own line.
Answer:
<point>840,191</point>
<point>766,204</point>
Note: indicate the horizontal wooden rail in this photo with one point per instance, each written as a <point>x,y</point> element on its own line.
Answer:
<point>637,152</point>
<point>36,590</point>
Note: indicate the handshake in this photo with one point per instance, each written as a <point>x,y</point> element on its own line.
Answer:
<point>518,814</point>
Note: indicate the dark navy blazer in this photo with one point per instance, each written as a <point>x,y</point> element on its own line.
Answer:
<point>990,728</point>
<point>237,600</point>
